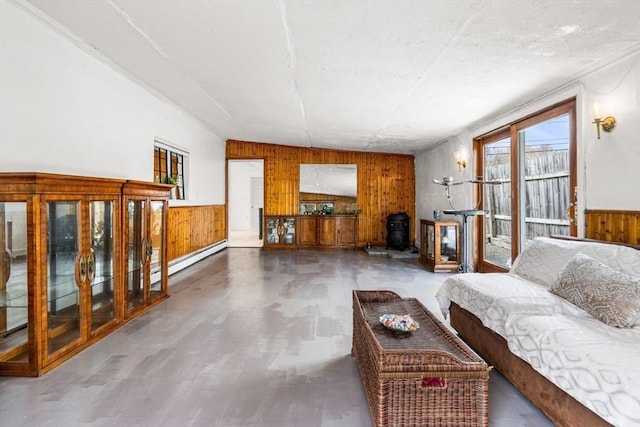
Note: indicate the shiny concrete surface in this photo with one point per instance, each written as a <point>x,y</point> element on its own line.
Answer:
<point>249,337</point>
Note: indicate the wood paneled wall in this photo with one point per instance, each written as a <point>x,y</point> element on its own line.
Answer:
<point>613,226</point>
<point>191,228</point>
<point>386,182</point>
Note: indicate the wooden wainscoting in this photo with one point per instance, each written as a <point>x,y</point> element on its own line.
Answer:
<point>386,182</point>
<point>613,226</point>
<point>191,228</point>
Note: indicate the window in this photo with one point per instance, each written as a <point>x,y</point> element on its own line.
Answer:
<point>534,159</point>
<point>169,166</point>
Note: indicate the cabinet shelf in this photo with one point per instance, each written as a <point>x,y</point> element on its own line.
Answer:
<point>16,299</point>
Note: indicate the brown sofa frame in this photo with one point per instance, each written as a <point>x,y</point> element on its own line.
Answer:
<point>556,404</point>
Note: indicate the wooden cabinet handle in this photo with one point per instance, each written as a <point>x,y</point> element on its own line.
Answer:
<point>82,269</point>
<point>91,267</point>
<point>149,251</point>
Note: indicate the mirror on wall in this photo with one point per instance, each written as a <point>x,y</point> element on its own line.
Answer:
<point>327,189</point>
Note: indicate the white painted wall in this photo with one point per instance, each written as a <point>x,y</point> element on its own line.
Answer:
<point>608,168</point>
<point>63,110</point>
<point>612,163</point>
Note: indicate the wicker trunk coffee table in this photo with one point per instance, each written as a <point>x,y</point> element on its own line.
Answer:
<point>427,377</point>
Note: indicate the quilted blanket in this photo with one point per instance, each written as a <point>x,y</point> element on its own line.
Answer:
<point>492,297</point>
<point>597,364</point>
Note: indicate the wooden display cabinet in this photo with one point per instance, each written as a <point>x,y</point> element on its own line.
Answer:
<point>440,245</point>
<point>145,249</point>
<point>61,264</point>
<point>280,231</point>
<point>311,232</point>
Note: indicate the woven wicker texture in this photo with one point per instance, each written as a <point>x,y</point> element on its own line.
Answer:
<point>428,377</point>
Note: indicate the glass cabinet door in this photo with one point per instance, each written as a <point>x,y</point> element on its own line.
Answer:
<point>101,263</point>
<point>289,231</point>
<point>63,284</point>
<point>431,244</point>
<point>280,231</point>
<point>145,252</point>
<point>155,237</point>
<point>14,325</point>
<point>448,243</point>
<point>272,226</point>
<point>439,247</point>
<point>136,274</point>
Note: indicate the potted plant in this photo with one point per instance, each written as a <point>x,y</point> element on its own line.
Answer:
<point>169,179</point>
<point>173,180</point>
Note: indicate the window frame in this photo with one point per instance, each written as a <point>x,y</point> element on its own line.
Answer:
<point>170,160</point>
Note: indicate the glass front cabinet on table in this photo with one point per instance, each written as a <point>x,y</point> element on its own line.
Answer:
<point>440,245</point>
<point>60,267</point>
<point>280,231</point>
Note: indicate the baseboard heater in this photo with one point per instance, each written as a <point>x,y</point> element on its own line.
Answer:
<point>189,259</point>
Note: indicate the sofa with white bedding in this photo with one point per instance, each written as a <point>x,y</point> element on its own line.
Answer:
<point>563,325</point>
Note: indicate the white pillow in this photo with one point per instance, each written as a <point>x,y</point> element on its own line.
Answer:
<point>543,258</point>
<point>608,295</point>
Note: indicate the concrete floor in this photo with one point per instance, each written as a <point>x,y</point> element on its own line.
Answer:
<point>249,337</point>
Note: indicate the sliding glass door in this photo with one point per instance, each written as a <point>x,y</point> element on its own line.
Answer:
<point>496,156</point>
<point>531,167</point>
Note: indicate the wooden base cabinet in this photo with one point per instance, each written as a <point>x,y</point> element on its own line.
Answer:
<point>307,230</point>
<point>440,245</point>
<point>61,262</point>
<point>328,231</point>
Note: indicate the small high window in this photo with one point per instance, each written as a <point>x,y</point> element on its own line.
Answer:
<point>169,166</point>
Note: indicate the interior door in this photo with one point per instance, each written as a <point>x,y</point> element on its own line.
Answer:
<point>257,202</point>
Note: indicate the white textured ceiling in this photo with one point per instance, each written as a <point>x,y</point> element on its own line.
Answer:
<point>388,76</point>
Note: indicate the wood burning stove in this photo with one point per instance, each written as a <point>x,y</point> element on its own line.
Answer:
<point>398,231</point>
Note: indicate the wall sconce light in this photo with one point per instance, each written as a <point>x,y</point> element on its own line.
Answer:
<point>461,159</point>
<point>607,124</point>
